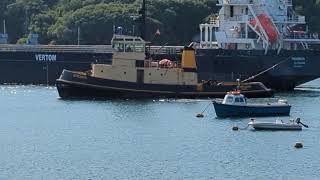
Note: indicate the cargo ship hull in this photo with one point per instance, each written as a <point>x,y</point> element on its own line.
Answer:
<point>282,71</point>
<point>44,67</point>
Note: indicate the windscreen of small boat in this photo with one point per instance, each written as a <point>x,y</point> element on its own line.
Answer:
<point>228,100</point>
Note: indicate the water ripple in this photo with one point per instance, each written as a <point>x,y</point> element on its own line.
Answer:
<point>44,137</point>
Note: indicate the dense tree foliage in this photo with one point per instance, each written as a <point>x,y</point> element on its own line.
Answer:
<point>58,21</point>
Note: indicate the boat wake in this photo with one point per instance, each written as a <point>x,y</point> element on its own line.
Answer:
<point>309,87</point>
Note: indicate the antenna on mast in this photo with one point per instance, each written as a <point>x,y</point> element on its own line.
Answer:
<point>4,27</point>
<point>142,22</point>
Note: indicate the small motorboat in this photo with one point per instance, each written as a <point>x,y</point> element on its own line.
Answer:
<point>292,125</point>
<point>235,105</point>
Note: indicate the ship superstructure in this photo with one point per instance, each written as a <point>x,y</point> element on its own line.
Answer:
<point>256,24</point>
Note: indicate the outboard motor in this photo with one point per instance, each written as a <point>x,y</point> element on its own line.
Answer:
<point>298,121</point>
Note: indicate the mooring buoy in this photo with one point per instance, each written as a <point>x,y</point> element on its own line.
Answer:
<point>235,128</point>
<point>200,115</point>
<point>298,145</point>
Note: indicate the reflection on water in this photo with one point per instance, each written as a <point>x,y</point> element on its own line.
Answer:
<point>311,85</point>
<point>44,137</point>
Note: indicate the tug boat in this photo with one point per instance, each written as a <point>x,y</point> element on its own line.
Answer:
<point>292,125</point>
<point>235,105</point>
<point>133,75</point>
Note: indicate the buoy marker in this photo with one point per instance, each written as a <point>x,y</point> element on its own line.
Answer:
<point>235,128</point>
<point>298,145</point>
<point>200,115</point>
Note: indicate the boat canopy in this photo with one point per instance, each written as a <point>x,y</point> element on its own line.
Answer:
<point>234,98</point>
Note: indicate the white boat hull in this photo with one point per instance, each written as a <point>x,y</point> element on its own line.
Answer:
<point>276,126</point>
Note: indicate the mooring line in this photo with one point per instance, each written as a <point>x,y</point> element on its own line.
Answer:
<point>272,67</point>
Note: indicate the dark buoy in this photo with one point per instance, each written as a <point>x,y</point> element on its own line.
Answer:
<point>235,128</point>
<point>200,115</point>
<point>298,145</point>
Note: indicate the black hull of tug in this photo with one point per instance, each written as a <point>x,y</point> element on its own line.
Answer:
<point>77,85</point>
<point>213,64</point>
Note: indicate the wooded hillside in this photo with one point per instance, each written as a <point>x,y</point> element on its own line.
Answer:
<point>57,21</point>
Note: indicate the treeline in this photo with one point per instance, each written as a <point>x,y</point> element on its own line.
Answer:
<point>58,21</point>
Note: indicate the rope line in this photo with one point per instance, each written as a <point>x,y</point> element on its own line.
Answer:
<point>206,108</point>
<point>245,128</point>
<point>272,67</point>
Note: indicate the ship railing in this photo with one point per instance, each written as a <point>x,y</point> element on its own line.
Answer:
<point>243,18</point>
<point>156,64</point>
<point>291,19</point>
<point>166,49</point>
<point>313,36</point>
<point>215,21</point>
<point>57,48</point>
<point>223,2</point>
<point>242,2</point>
<point>297,19</point>
<point>207,45</point>
<point>288,2</point>
<point>82,48</point>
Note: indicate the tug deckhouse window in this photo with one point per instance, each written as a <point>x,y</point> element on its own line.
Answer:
<point>119,47</point>
<point>139,47</point>
<point>128,47</point>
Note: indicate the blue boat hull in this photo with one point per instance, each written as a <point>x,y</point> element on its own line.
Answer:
<point>226,110</point>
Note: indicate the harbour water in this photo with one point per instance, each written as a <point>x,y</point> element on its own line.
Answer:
<point>44,137</point>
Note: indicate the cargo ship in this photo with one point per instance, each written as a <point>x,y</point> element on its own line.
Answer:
<point>260,40</point>
<point>251,40</point>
